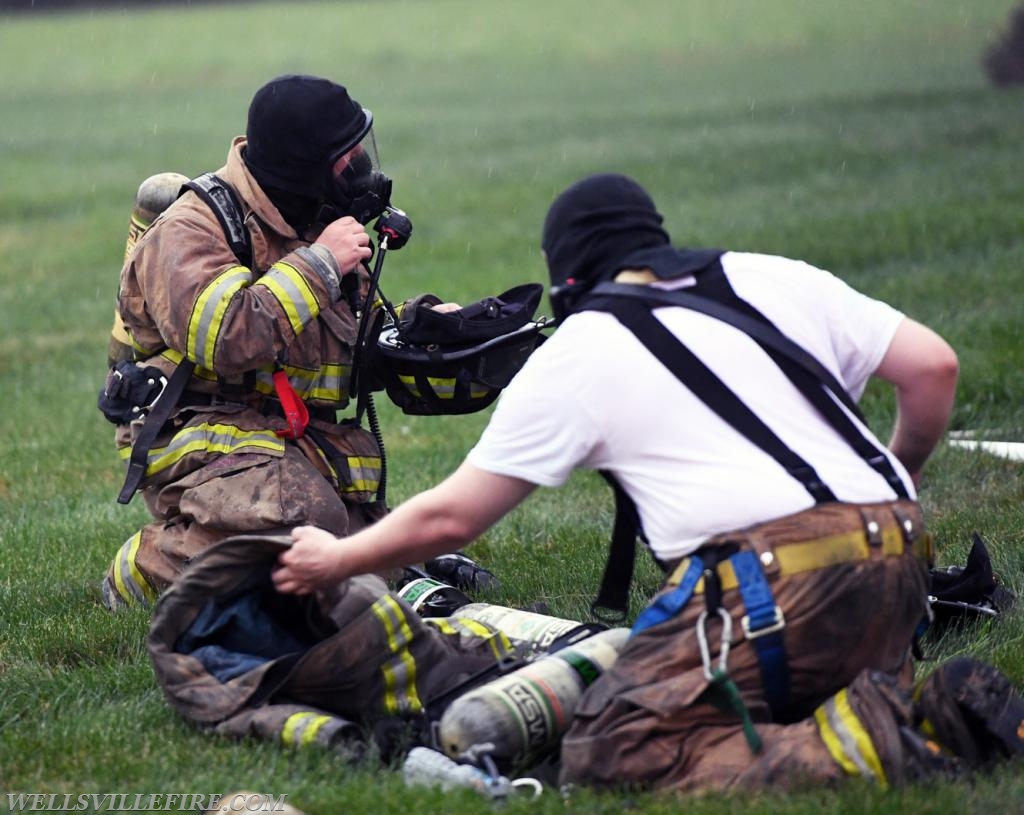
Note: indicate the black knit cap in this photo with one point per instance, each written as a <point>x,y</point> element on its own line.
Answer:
<point>297,125</point>
<point>595,224</point>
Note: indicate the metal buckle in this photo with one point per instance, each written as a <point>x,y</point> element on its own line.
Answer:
<point>115,379</point>
<point>163,387</point>
<point>778,623</point>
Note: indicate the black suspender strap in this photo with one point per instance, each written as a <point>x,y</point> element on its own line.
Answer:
<point>632,305</point>
<point>618,571</point>
<point>756,327</point>
<point>706,386</point>
<point>698,378</point>
<point>806,373</point>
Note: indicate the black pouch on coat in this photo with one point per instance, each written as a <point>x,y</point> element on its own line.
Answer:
<point>129,391</point>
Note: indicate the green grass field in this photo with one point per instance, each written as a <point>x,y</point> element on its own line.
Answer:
<point>862,137</point>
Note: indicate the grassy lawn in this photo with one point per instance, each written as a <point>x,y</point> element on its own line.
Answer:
<point>861,137</point>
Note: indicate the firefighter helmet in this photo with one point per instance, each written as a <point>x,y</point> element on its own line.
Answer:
<point>438,363</point>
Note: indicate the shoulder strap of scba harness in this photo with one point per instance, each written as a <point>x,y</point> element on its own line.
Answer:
<point>221,198</point>
<point>632,305</point>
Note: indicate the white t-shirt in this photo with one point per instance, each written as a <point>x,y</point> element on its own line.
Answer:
<point>592,396</point>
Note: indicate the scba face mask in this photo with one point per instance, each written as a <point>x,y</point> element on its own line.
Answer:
<point>356,185</point>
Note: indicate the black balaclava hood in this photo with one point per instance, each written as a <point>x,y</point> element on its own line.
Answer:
<point>297,126</point>
<point>602,225</point>
<point>595,224</point>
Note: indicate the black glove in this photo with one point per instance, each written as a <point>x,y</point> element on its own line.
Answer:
<point>462,572</point>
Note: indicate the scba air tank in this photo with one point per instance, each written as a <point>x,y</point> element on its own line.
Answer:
<point>524,713</point>
<point>527,628</point>
<point>154,195</point>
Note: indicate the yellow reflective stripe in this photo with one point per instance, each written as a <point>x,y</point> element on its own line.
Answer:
<point>443,387</point>
<point>410,383</point>
<point>399,672</point>
<point>136,573</point>
<point>141,352</point>
<point>292,291</point>
<point>208,313</point>
<point>213,438</point>
<point>453,626</point>
<point>128,579</point>
<point>328,384</point>
<point>847,740</point>
<point>498,642</point>
<point>331,385</point>
<point>442,625</point>
<point>119,331</point>
<point>365,472</point>
<point>301,728</point>
<point>198,371</point>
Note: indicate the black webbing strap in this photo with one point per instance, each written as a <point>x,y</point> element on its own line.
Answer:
<point>337,459</point>
<point>220,198</point>
<point>159,412</point>
<point>762,332</point>
<point>806,373</point>
<point>706,386</point>
<point>697,377</point>
<point>613,593</point>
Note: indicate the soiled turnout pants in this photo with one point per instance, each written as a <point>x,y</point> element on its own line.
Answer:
<point>851,582</point>
<point>207,495</point>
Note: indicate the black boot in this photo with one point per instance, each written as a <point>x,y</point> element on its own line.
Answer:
<point>972,710</point>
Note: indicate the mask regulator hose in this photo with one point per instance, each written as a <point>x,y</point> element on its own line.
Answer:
<point>394,229</point>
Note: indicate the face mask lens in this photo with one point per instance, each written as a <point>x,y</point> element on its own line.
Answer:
<point>358,187</point>
<point>352,168</point>
<point>356,172</point>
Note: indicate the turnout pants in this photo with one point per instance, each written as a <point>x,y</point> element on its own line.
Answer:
<point>851,584</point>
<point>230,475</point>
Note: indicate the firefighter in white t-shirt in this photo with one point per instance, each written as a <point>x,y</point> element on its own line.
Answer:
<point>778,650</point>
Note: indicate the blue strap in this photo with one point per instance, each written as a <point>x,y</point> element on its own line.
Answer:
<point>762,614</point>
<point>669,605</point>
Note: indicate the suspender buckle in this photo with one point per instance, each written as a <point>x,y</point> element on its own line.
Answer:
<point>775,623</point>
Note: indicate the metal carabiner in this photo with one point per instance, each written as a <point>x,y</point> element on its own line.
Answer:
<point>528,786</point>
<point>702,642</point>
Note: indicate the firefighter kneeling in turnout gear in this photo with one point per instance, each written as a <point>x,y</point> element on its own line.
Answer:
<point>717,392</point>
<point>242,331</point>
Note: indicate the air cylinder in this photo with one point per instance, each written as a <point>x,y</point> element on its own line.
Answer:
<point>523,714</point>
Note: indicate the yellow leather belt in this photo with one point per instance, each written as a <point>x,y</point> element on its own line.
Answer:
<point>807,556</point>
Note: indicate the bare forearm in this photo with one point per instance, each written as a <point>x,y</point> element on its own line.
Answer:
<point>440,520</point>
<point>421,528</point>
<point>920,426</point>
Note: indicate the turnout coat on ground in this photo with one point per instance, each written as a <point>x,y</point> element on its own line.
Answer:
<point>234,656</point>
